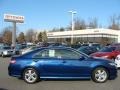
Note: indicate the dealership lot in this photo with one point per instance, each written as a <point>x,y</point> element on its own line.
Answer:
<point>10,83</point>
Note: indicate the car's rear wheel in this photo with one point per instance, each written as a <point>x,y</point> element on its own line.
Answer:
<point>30,75</point>
<point>100,75</point>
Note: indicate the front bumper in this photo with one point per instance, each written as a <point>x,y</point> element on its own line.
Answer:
<point>113,73</point>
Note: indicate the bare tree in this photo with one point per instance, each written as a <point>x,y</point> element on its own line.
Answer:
<point>1,40</point>
<point>7,35</point>
<point>54,30</point>
<point>93,23</point>
<point>40,37</point>
<point>57,29</point>
<point>79,24</point>
<point>62,29</point>
<point>29,35</point>
<point>44,36</point>
<point>114,22</point>
<point>21,38</point>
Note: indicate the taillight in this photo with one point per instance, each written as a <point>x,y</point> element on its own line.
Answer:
<point>13,61</point>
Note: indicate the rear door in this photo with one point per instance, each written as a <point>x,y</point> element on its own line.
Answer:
<point>50,64</point>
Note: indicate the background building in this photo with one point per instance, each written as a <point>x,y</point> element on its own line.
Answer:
<point>103,36</point>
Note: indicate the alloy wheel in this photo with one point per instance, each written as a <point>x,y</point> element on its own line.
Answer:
<point>100,75</point>
<point>30,76</point>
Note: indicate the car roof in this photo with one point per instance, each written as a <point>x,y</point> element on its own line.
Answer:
<point>29,54</point>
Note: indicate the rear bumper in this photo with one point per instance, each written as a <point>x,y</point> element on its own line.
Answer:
<point>12,71</point>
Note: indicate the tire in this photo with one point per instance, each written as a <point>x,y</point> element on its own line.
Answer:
<point>100,75</point>
<point>30,75</point>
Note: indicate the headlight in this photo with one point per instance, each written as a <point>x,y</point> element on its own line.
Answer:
<point>117,58</point>
<point>104,57</point>
<point>112,64</point>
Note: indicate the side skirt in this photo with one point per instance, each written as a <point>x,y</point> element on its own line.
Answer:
<point>66,78</point>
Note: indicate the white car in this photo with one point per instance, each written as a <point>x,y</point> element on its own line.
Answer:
<point>117,61</point>
<point>6,51</point>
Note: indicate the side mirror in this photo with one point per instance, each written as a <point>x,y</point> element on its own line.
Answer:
<point>82,58</point>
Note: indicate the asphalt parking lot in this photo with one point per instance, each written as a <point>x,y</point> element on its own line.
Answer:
<point>11,83</point>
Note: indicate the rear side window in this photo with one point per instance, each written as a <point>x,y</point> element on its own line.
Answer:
<point>45,54</point>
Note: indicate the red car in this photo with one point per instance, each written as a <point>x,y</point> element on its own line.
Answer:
<point>108,52</point>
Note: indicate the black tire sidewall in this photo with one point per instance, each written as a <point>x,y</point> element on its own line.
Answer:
<point>93,74</point>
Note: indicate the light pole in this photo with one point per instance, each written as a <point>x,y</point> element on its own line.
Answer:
<point>72,14</point>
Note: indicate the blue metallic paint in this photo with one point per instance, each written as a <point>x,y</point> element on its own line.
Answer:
<point>60,69</point>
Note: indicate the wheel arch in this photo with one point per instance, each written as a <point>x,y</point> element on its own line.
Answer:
<point>100,66</point>
<point>29,67</point>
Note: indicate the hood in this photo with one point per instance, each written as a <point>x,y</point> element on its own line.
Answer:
<point>100,54</point>
<point>100,59</point>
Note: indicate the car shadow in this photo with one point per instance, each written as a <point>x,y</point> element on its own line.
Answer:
<point>3,89</point>
<point>66,80</point>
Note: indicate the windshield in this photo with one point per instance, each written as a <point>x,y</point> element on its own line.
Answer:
<point>107,49</point>
<point>83,48</point>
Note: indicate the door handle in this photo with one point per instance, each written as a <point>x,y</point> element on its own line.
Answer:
<point>64,62</point>
<point>35,60</point>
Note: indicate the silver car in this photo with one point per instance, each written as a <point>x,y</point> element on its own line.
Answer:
<point>6,51</point>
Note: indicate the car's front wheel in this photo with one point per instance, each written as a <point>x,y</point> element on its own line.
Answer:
<point>30,75</point>
<point>100,75</point>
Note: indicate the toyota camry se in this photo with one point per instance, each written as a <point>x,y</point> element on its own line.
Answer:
<point>60,63</point>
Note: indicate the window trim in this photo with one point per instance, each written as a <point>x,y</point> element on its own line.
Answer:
<point>75,51</point>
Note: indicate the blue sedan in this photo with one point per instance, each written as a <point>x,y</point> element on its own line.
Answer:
<point>60,63</point>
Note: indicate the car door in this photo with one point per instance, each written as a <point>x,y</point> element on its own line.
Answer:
<point>74,64</point>
<point>50,64</point>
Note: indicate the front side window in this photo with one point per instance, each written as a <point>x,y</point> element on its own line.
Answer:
<point>58,53</point>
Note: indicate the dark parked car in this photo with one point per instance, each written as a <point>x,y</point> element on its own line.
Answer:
<point>75,46</point>
<point>95,45</point>
<point>60,63</point>
<point>18,48</point>
<point>115,44</point>
<point>87,49</point>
